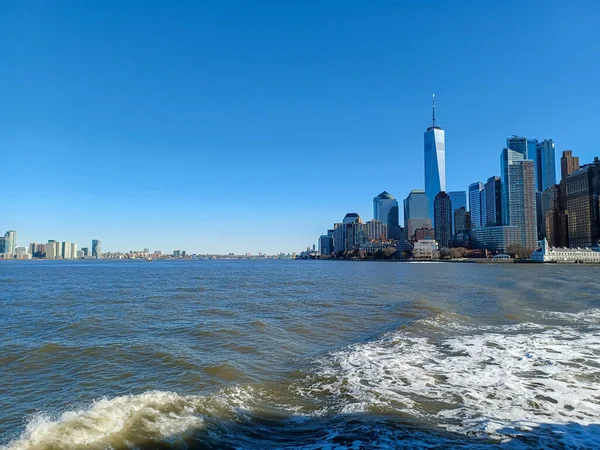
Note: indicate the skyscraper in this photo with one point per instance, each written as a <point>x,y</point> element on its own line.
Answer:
<point>443,219</point>
<point>583,205</point>
<point>96,248</point>
<point>545,165</point>
<point>493,202</point>
<point>11,244</point>
<point>460,220</point>
<point>416,212</point>
<point>385,210</point>
<point>376,230</point>
<point>66,250</point>
<point>568,164</point>
<point>521,196</point>
<point>325,245</point>
<point>508,157</point>
<point>475,207</point>
<point>459,200</point>
<point>435,162</point>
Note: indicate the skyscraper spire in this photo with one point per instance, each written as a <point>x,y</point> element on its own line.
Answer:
<point>433,108</point>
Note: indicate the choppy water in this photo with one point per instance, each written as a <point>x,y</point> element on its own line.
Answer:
<point>298,354</point>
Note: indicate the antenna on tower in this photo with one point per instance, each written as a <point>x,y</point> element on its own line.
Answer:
<point>433,108</point>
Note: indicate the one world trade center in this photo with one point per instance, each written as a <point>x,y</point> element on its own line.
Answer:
<point>435,162</point>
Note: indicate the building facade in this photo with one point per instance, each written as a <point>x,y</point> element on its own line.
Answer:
<point>376,230</point>
<point>568,164</point>
<point>583,205</point>
<point>96,248</point>
<point>416,212</point>
<point>497,238</point>
<point>545,165</point>
<point>475,206</point>
<point>425,249</point>
<point>459,200</point>
<point>492,193</point>
<point>547,253</point>
<point>325,245</point>
<point>10,246</point>
<point>385,210</point>
<point>443,219</point>
<point>461,220</point>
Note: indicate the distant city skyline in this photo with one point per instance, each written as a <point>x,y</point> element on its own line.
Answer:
<point>251,128</point>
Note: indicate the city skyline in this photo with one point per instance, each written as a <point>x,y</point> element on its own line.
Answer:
<point>170,139</point>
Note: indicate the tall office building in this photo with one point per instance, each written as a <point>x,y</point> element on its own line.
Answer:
<point>507,158</point>
<point>53,250</point>
<point>11,244</point>
<point>521,199</point>
<point>583,205</point>
<point>348,218</point>
<point>459,200</point>
<point>568,163</point>
<point>86,251</point>
<point>435,162</point>
<point>376,230</point>
<point>96,248</point>
<point>545,165</point>
<point>385,210</point>
<point>521,145</point>
<point>493,202</point>
<point>3,246</point>
<point>475,206</point>
<point>66,250</point>
<point>555,216</point>
<point>443,219</point>
<point>73,250</point>
<point>325,245</point>
<point>416,212</point>
<point>461,217</point>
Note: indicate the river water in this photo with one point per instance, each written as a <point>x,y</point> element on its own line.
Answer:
<point>298,354</point>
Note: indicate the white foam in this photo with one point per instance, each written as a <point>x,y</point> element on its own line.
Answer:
<point>154,416</point>
<point>490,383</point>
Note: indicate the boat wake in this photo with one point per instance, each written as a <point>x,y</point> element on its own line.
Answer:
<point>462,385</point>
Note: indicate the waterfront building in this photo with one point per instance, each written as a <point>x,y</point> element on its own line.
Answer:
<point>583,193</point>
<point>385,210</point>
<point>10,246</point>
<point>495,238</point>
<point>376,230</point>
<point>519,195</point>
<point>73,250</point>
<point>554,210</point>
<point>416,212</point>
<point>435,162</point>
<point>547,253</point>
<point>339,237</point>
<point>461,223</point>
<point>325,245</point>
<point>425,249</point>
<point>86,251</point>
<point>53,250</point>
<point>442,219</point>
<point>475,206</point>
<point>459,200</point>
<point>66,250</point>
<point>568,164</point>
<point>79,254</point>
<point>521,145</point>
<point>492,192</point>
<point>96,248</point>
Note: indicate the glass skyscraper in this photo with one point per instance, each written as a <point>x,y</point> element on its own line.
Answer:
<point>459,200</point>
<point>435,162</point>
<point>545,165</point>
<point>443,219</point>
<point>509,156</point>
<point>96,248</point>
<point>385,209</point>
<point>475,206</point>
<point>416,212</point>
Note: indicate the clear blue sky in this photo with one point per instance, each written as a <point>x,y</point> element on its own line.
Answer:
<point>250,126</point>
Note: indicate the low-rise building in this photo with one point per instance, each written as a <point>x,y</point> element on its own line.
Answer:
<point>496,239</point>
<point>425,248</point>
<point>568,255</point>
